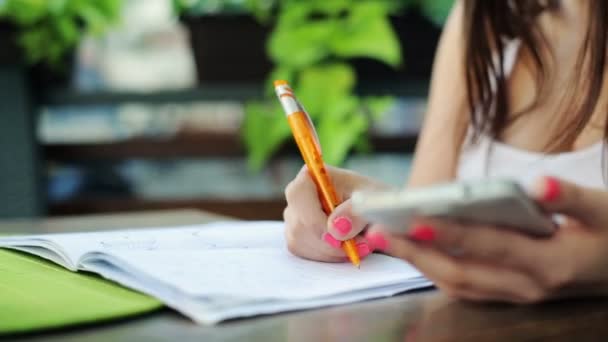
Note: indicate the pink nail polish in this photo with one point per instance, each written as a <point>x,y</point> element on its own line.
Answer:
<point>377,240</point>
<point>331,240</point>
<point>552,189</point>
<point>343,225</point>
<point>363,250</point>
<point>422,233</point>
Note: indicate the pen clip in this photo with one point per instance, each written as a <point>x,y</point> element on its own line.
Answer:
<point>314,134</point>
<point>291,105</point>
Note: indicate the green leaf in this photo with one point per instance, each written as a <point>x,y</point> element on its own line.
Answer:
<point>261,9</point>
<point>49,28</point>
<point>339,129</point>
<point>56,7</point>
<point>300,46</point>
<point>30,41</point>
<point>320,86</point>
<point>332,7</point>
<point>94,20</point>
<point>363,145</point>
<point>54,54</point>
<point>67,30</point>
<point>265,128</point>
<point>111,9</point>
<point>368,33</point>
<point>436,10</point>
<point>25,12</point>
<point>378,105</point>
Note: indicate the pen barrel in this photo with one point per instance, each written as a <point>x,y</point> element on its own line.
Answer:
<point>306,138</point>
<point>311,153</point>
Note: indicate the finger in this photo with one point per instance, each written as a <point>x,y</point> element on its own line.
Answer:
<point>329,248</point>
<point>346,181</point>
<point>459,275</point>
<point>304,213</point>
<point>343,224</point>
<point>301,194</point>
<point>483,243</point>
<point>479,295</point>
<point>307,241</point>
<point>332,250</point>
<point>555,195</point>
<point>364,247</point>
<point>304,226</point>
<point>470,295</point>
<point>343,181</point>
<point>317,249</point>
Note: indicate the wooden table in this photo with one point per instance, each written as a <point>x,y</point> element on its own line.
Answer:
<point>421,316</point>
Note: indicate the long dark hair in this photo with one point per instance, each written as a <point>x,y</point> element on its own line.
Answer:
<point>489,24</point>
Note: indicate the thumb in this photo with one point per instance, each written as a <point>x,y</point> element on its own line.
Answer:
<point>342,224</point>
<point>584,204</point>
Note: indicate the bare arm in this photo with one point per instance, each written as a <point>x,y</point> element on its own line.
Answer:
<point>446,120</point>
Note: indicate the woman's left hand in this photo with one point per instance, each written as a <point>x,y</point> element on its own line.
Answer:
<point>494,264</point>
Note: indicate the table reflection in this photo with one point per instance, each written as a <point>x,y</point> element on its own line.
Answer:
<point>431,316</point>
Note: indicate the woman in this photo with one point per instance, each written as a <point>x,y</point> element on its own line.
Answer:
<point>518,90</point>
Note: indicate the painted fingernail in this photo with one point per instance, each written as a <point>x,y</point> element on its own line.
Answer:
<point>411,334</point>
<point>363,250</point>
<point>422,233</point>
<point>343,225</point>
<point>377,240</point>
<point>552,189</point>
<point>332,241</point>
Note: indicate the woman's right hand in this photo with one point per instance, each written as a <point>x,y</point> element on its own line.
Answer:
<point>310,233</point>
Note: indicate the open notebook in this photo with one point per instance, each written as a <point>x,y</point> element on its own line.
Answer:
<point>222,270</point>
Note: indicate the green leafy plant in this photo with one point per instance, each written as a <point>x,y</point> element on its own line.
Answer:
<point>49,29</point>
<point>311,45</point>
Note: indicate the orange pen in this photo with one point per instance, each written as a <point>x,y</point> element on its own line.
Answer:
<point>308,143</point>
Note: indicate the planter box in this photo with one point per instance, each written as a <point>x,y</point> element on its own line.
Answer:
<point>10,52</point>
<point>233,48</point>
<point>40,75</point>
<point>229,48</point>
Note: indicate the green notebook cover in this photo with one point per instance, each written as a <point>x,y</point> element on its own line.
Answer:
<point>36,294</point>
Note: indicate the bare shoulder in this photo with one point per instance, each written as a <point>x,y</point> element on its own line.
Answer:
<point>446,120</point>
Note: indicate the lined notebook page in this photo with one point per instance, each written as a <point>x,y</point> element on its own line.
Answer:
<point>263,273</point>
<point>245,260</point>
<point>195,237</point>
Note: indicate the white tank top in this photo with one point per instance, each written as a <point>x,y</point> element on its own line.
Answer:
<point>492,159</point>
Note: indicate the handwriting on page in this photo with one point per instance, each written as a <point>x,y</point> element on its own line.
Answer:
<point>217,236</point>
<point>263,273</point>
<point>221,235</point>
<point>215,271</point>
<point>127,242</point>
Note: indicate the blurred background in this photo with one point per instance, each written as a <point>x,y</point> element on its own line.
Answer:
<point>123,105</point>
